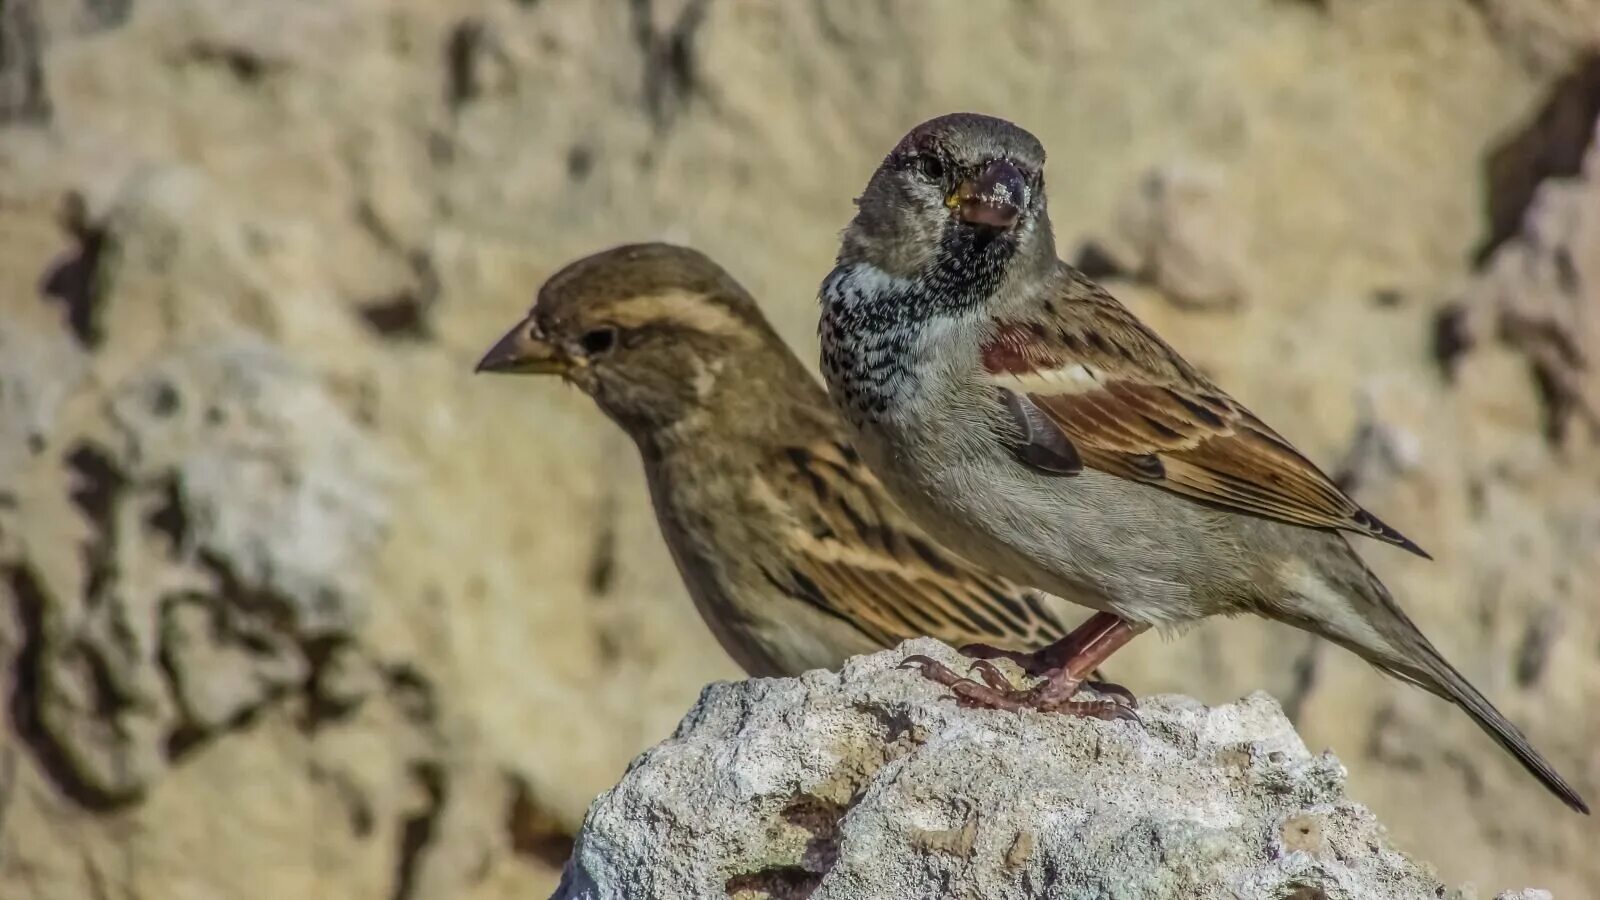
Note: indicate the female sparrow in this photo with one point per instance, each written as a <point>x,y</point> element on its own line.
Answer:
<point>1027,420</point>
<point>792,552</point>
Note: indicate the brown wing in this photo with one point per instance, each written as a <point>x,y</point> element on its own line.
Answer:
<point>858,557</point>
<point>1131,406</point>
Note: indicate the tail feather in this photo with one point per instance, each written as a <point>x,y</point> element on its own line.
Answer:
<point>1426,668</point>
<point>1401,650</point>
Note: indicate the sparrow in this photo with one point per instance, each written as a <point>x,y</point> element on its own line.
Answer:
<point>791,550</point>
<point>1029,422</point>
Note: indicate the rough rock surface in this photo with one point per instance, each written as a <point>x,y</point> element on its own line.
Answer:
<point>867,783</point>
<point>282,607</point>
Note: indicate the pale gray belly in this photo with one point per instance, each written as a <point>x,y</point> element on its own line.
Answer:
<point>1093,538</point>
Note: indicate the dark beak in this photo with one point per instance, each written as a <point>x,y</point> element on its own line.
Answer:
<point>523,351</point>
<point>994,198</point>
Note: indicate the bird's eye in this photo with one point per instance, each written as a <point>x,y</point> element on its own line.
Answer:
<point>929,167</point>
<point>597,341</point>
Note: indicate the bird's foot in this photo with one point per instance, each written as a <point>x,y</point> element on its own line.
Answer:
<point>1053,695</point>
<point>987,694</point>
<point>1058,690</point>
<point>1034,663</point>
<point>1040,664</point>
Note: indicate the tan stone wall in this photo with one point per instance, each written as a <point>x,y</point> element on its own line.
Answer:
<point>292,605</point>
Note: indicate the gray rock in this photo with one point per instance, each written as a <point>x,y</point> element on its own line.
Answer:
<point>226,507</point>
<point>869,783</point>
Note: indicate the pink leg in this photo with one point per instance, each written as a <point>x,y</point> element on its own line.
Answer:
<point>1065,665</point>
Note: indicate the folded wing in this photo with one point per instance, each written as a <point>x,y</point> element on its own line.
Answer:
<point>855,555</point>
<point>1130,406</point>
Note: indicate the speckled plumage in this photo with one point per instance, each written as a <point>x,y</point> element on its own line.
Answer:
<point>1030,422</point>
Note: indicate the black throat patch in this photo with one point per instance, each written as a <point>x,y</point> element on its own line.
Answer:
<point>968,267</point>
<point>869,321</point>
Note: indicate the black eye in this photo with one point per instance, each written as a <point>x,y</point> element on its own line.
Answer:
<point>598,340</point>
<point>929,167</point>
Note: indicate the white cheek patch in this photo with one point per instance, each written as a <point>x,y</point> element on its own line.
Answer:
<point>868,280</point>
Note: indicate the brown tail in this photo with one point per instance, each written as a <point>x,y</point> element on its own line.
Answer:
<point>1422,665</point>
<point>1441,678</point>
<point>1406,654</point>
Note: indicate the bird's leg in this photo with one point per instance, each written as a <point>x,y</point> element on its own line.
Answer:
<point>1065,665</point>
<point>1045,662</point>
<point>1092,643</point>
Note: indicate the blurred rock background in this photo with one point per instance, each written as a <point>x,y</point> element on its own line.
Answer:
<point>291,605</point>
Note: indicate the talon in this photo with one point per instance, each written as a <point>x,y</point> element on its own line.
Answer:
<point>930,668</point>
<point>1105,710</point>
<point>992,676</point>
<point>1053,694</point>
<point>1114,711</point>
<point>1116,691</point>
<point>1075,659</point>
<point>965,691</point>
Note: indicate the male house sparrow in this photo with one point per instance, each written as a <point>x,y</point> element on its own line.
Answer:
<point>792,552</point>
<point>1026,419</point>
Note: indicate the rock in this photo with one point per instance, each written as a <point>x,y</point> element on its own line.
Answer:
<point>868,783</point>
<point>1546,34</point>
<point>22,90</point>
<point>227,510</point>
<point>1174,233</point>
<point>1540,292</point>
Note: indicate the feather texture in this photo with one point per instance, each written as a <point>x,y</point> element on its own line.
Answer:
<point>852,553</point>
<point>1131,406</point>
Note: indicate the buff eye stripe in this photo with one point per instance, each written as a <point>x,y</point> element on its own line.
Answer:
<point>695,312</point>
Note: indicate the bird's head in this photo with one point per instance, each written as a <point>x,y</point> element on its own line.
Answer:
<point>962,188</point>
<point>653,332</point>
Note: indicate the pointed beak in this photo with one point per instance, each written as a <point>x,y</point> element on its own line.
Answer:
<point>523,352</point>
<point>994,198</point>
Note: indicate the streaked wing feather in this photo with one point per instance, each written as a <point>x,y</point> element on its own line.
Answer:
<point>871,567</point>
<point>1131,406</point>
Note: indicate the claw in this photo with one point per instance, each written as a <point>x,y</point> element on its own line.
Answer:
<point>968,693</point>
<point>931,669</point>
<point>918,661</point>
<point>1105,710</point>
<point>1127,714</point>
<point>1115,691</point>
<point>992,676</point>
